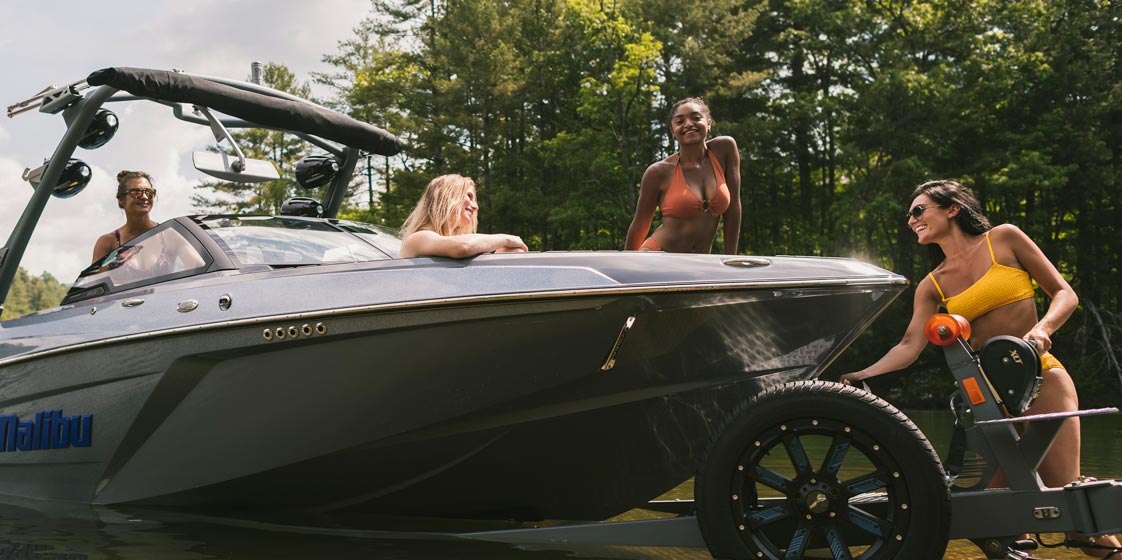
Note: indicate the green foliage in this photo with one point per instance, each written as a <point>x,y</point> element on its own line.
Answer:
<point>283,150</point>
<point>32,293</point>
<point>840,108</point>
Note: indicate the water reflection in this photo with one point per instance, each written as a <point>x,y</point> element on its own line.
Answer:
<point>31,530</point>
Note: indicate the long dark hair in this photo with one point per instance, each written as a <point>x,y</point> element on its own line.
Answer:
<point>969,217</point>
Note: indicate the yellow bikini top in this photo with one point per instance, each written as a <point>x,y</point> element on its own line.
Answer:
<point>1000,285</point>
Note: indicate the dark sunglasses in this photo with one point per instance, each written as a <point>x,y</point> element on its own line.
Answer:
<point>918,211</point>
<point>138,193</point>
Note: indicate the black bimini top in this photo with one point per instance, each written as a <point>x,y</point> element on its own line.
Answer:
<point>264,110</point>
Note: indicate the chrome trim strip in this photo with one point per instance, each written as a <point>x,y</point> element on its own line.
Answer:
<point>425,304</point>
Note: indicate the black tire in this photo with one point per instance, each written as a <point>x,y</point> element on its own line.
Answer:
<point>878,493</point>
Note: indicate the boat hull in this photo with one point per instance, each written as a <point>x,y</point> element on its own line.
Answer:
<point>493,408</point>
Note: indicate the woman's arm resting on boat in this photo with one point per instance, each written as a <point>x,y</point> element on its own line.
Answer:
<point>908,349</point>
<point>517,247</point>
<point>427,243</point>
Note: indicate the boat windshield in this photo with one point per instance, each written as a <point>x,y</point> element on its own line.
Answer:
<point>286,241</point>
<point>158,255</point>
<point>384,238</point>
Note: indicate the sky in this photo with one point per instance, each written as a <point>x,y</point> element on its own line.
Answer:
<point>57,43</point>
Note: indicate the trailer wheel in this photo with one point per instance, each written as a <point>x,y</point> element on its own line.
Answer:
<point>813,469</point>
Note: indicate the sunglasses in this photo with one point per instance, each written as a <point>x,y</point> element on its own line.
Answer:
<point>139,193</point>
<point>918,211</point>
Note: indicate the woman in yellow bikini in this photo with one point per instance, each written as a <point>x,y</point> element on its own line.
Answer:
<point>696,188</point>
<point>985,274</point>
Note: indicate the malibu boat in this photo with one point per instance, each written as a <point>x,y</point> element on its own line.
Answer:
<point>297,362</point>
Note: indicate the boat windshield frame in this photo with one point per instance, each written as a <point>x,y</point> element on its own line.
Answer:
<point>288,241</point>
<point>386,239</point>
<point>130,266</point>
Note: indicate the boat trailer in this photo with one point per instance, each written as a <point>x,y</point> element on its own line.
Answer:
<point>908,508</point>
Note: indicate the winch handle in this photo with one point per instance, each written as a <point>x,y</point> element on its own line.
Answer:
<point>942,329</point>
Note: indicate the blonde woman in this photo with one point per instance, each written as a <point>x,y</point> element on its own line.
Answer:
<point>443,224</point>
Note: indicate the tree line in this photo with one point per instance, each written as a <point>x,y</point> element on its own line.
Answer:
<point>32,293</point>
<point>840,108</point>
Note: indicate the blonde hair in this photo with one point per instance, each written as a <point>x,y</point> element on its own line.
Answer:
<point>439,207</point>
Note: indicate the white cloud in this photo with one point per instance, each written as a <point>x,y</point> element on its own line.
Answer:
<point>63,242</point>
<point>211,37</point>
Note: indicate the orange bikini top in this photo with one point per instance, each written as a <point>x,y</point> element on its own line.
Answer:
<point>1000,285</point>
<point>680,202</point>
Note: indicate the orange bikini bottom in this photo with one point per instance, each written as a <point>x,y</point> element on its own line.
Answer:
<point>651,245</point>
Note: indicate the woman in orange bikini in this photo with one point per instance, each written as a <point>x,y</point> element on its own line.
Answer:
<point>695,187</point>
<point>136,197</point>
<point>985,274</point>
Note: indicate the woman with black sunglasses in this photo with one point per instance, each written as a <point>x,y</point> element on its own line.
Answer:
<point>986,275</point>
<point>136,196</point>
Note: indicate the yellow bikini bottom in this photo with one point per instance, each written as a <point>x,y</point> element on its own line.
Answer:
<point>1048,361</point>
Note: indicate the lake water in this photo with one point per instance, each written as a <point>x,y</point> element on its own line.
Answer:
<point>31,530</point>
